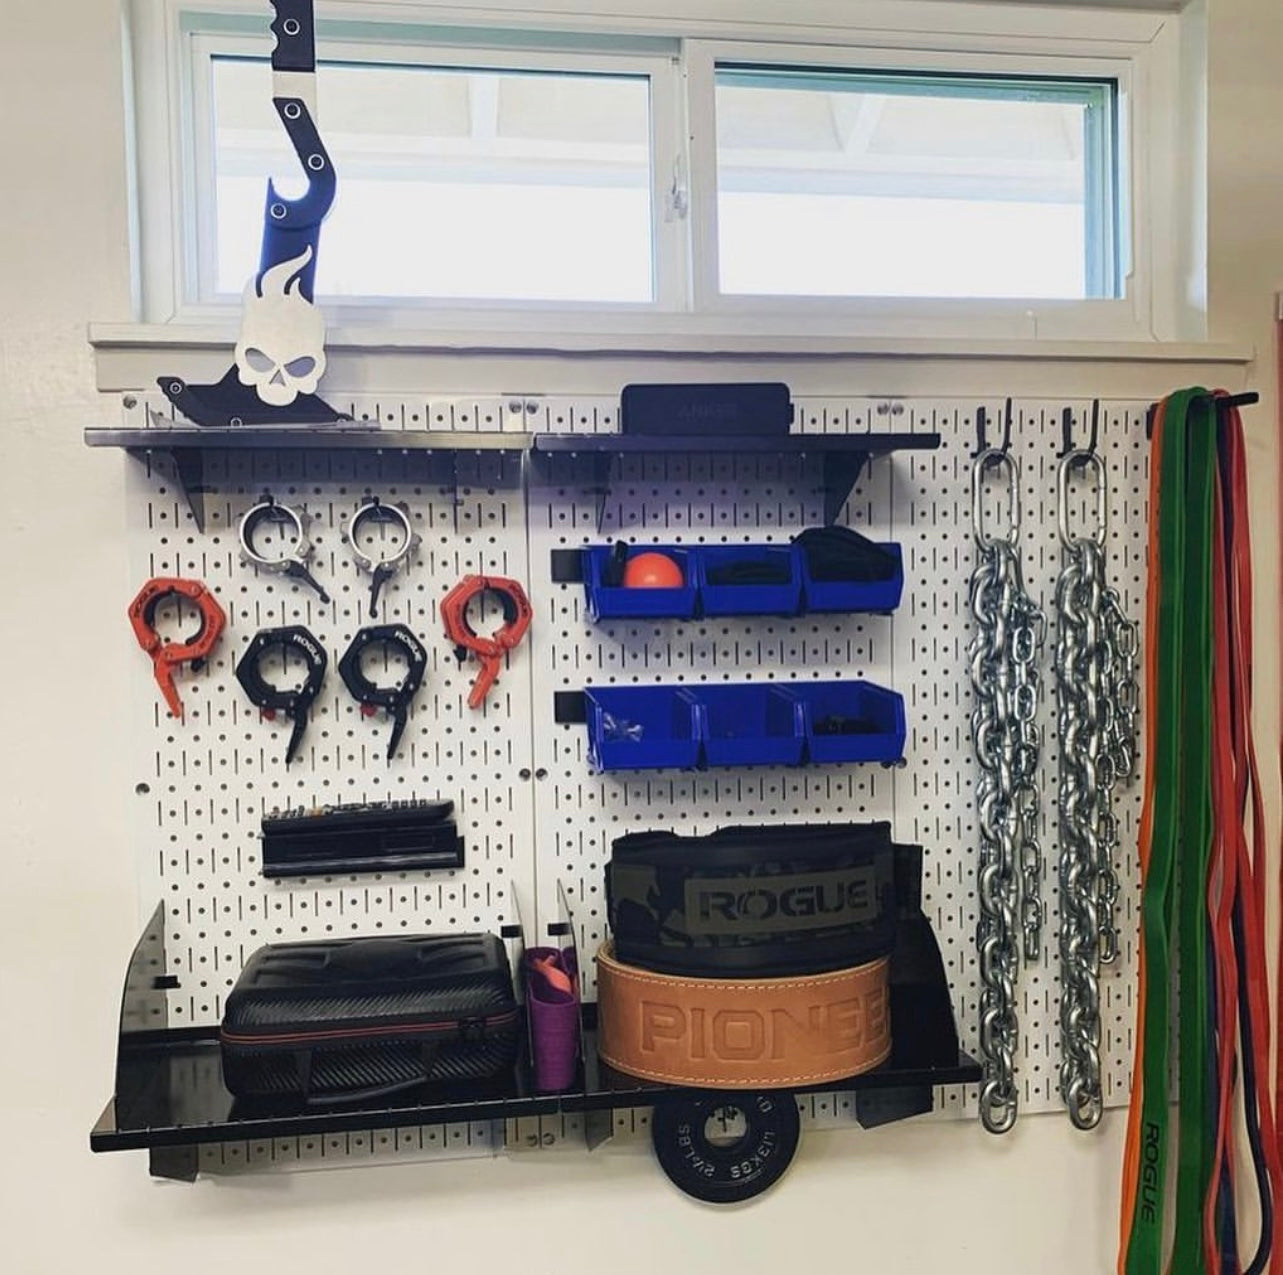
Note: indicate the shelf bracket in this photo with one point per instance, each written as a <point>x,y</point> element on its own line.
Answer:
<point>178,1164</point>
<point>188,467</point>
<point>603,463</point>
<point>842,471</point>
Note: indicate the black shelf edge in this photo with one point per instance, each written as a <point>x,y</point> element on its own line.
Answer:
<point>186,1061</point>
<point>627,444</point>
<point>363,437</point>
<point>189,1071</point>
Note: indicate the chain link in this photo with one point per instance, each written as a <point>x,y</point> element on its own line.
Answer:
<point>1004,656</point>
<point>1096,704</point>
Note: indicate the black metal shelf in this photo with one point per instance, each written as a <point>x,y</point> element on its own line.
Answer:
<point>170,1099</point>
<point>175,1098</point>
<point>186,447</point>
<point>843,456</point>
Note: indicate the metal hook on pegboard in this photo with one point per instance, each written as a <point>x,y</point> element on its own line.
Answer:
<point>982,429</point>
<point>1066,431</point>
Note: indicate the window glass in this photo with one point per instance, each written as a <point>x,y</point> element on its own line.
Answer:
<point>453,183</point>
<point>836,184</point>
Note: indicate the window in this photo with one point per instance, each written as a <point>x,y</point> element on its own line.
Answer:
<point>833,183</point>
<point>982,184</point>
<point>455,182</point>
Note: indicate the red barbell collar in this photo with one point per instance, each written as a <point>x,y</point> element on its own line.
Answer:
<point>489,651</point>
<point>167,657</point>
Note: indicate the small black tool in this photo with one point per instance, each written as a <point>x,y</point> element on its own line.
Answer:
<point>396,699</point>
<point>295,702</point>
<point>385,836</point>
<point>612,575</point>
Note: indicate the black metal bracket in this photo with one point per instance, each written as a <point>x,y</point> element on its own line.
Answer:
<point>1221,402</point>
<point>982,430</point>
<point>567,566</point>
<point>569,708</point>
<point>1067,431</point>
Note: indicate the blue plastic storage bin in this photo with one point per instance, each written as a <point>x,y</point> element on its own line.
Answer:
<point>607,602</point>
<point>751,725</point>
<point>852,595</point>
<point>877,713</point>
<point>642,727</point>
<point>748,599</point>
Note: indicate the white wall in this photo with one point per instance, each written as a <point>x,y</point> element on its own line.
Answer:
<point>909,1198</point>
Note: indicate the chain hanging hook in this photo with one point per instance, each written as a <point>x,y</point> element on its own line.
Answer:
<point>989,459</point>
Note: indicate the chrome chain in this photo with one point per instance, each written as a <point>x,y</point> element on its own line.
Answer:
<point>1096,707</point>
<point>1003,657</point>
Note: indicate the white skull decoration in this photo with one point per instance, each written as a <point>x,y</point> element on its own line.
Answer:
<point>281,351</point>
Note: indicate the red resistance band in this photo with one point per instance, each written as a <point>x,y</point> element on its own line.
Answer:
<point>1236,884</point>
<point>489,651</point>
<point>1249,904</point>
<point>166,657</point>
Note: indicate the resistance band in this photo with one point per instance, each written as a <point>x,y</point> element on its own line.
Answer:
<point>1193,844</point>
<point>1202,888</point>
<point>1144,1248</point>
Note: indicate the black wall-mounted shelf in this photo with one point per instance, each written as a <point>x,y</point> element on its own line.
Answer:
<point>186,447</point>
<point>170,1098</point>
<point>843,456</point>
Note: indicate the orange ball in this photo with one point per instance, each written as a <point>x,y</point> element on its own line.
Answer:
<point>652,571</point>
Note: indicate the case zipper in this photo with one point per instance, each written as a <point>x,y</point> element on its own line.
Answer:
<point>472,1030</point>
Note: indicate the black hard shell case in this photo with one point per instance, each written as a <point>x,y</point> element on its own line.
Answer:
<point>350,1019</point>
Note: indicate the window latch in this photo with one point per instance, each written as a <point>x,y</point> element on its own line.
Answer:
<point>678,193</point>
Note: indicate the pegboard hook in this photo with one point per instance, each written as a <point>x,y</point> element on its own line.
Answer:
<point>1066,431</point>
<point>982,430</point>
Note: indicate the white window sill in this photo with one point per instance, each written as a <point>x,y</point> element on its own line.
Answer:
<point>599,340</point>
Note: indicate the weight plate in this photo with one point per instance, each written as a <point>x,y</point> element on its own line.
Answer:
<point>725,1147</point>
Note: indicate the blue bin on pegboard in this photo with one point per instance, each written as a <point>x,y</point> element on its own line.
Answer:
<point>851,721</point>
<point>852,595</point>
<point>782,598</point>
<point>612,602</point>
<point>642,727</point>
<point>751,725</point>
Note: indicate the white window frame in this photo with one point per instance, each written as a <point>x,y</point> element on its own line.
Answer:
<point>1125,315</point>
<point>667,237</point>
<point>1138,51</point>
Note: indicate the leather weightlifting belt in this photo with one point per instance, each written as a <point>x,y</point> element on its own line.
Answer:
<point>754,902</point>
<point>761,1033</point>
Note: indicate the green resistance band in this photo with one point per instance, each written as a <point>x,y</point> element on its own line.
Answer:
<point>1145,1243</point>
<point>1197,1137</point>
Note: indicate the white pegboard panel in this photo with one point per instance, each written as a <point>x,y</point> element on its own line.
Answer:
<point>461,1141</point>
<point>922,500</point>
<point>204,783</point>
